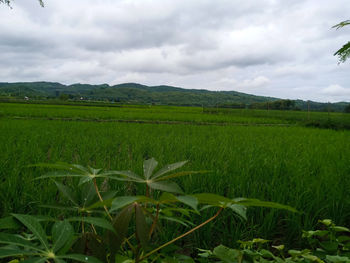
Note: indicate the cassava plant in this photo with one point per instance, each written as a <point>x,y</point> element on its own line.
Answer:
<point>111,228</point>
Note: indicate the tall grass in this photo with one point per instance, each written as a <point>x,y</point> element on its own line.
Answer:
<point>302,167</point>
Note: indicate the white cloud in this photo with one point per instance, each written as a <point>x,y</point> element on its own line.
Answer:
<point>225,45</point>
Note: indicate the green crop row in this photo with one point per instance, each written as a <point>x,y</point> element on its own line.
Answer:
<point>305,168</point>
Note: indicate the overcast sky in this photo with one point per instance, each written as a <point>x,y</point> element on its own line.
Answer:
<point>280,48</point>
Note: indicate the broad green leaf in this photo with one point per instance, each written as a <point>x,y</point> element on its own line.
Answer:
<point>8,223</point>
<point>99,204</point>
<point>84,179</point>
<point>122,201</point>
<point>57,174</point>
<point>61,207</point>
<point>227,255</point>
<point>341,229</point>
<point>257,202</point>
<point>62,232</point>
<point>337,259</point>
<point>5,253</point>
<point>74,168</point>
<point>189,200</point>
<point>131,176</point>
<point>58,260</point>
<point>108,195</point>
<point>33,225</point>
<point>213,199</point>
<point>148,167</point>
<point>142,229</point>
<point>168,168</point>
<point>11,239</point>
<point>179,174</point>
<point>34,260</point>
<point>120,224</point>
<point>88,194</point>
<point>81,258</point>
<point>240,210</point>
<point>97,221</point>
<point>67,192</point>
<point>166,186</point>
<point>166,197</point>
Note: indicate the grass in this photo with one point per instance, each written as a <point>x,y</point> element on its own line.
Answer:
<point>303,167</point>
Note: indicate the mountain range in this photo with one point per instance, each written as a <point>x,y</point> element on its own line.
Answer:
<point>142,94</point>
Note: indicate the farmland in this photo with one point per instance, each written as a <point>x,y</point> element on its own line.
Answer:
<point>250,153</point>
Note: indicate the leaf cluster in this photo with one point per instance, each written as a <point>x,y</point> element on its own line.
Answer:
<point>101,226</point>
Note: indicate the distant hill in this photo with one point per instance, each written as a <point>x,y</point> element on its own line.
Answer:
<point>142,94</point>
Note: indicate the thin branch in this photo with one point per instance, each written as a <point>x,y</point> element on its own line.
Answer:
<point>101,199</point>
<point>181,236</point>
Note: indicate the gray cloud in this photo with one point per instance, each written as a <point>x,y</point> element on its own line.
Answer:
<point>266,47</point>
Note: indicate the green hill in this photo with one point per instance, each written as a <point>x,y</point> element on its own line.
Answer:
<point>142,94</point>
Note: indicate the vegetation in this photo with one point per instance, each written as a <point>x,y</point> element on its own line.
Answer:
<point>133,93</point>
<point>329,244</point>
<point>246,153</point>
<point>115,244</point>
<point>344,52</point>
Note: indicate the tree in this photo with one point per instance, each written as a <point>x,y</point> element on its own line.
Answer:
<point>8,2</point>
<point>344,52</point>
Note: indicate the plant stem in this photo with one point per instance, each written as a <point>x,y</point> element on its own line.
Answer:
<point>183,235</point>
<point>101,199</point>
<point>154,222</point>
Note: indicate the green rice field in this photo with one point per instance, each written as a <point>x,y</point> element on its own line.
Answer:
<point>248,153</point>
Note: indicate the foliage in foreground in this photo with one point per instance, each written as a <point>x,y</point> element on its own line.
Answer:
<point>111,228</point>
<point>344,52</point>
<point>329,244</point>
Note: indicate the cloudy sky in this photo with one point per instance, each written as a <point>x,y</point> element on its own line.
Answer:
<point>280,48</point>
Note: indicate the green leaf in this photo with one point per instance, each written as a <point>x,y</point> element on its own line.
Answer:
<point>60,207</point>
<point>120,224</point>
<point>57,174</point>
<point>101,222</point>
<point>67,192</point>
<point>337,259</point>
<point>168,168</point>
<point>240,210</point>
<point>189,200</point>
<point>166,186</point>
<point>33,225</point>
<point>213,199</point>
<point>107,202</point>
<point>259,203</point>
<point>11,239</point>
<point>179,174</point>
<point>122,201</point>
<point>58,260</point>
<point>62,232</point>
<point>81,258</point>
<point>148,167</point>
<point>85,179</point>
<point>62,166</point>
<point>130,176</point>
<point>34,260</point>
<point>142,229</point>
<point>8,223</point>
<point>227,255</point>
<point>88,194</point>
<point>341,229</point>
<point>5,253</point>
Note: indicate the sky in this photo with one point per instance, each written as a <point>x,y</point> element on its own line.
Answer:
<point>272,48</point>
